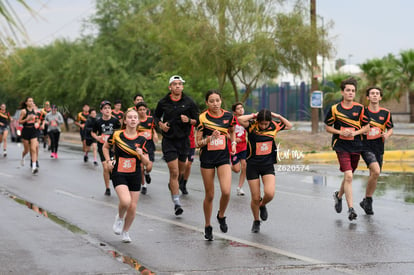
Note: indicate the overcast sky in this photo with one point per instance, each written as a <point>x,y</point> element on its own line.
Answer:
<point>363,29</point>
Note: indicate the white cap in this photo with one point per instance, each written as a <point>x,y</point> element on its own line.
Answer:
<point>176,77</point>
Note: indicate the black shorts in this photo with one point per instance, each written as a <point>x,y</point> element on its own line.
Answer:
<point>100,152</point>
<point>371,157</point>
<point>150,145</point>
<point>89,141</point>
<point>132,181</point>
<point>82,134</point>
<point>254,171</point>
<point>29,133</point>
<point>175,148</point>
<point>190,156</point>
<point>239,156</point>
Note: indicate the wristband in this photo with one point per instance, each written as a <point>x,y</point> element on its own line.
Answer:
<point>234,143</point>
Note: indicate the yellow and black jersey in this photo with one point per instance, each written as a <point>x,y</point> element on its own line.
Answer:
<point>127,160</point>
<point>217,150</point>
<point>379,123</point>
<point>4,118</point>
<point>44,112</point>
<point>146,127</point>
<point>82,117</point>
<point>118,115</point>
<point>261,146</point>
<point>353,118</point>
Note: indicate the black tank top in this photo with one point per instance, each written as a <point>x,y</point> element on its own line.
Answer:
<point>30,123</point>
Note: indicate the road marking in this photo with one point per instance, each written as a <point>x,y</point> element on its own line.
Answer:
<point>5,175</point>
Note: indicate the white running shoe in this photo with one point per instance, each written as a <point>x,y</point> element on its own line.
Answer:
<point>125,237</point>
<point>118,225</point>
<point>4,153</point>
<point>240,191</point>
<point>35,170</point>
<point>22,162</point>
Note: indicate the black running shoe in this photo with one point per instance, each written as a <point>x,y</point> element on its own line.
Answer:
<point>256,227</point>
<point>351,214</point>
<point>85,158</point>
<point>182,186</point>
<point>208,233</point>
<point>338,203</point>
<point>222,222</point>
<point>144,190</point>
<point>366,204</point>
<point>178,210</point>
<point>107,192</point>
<point>147,178</point>
<point>263,212</point>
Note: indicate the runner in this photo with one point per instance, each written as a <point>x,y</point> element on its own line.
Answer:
<point>45,110</point>
<point>188,163</point>
<point>103,128</point>
<point>80,122</point>
<point>29,134</point>
<point>146,128</point>
<point>381,128</point>
<point>261,157</point>
<point>347,121</point>
<point>117,112</point>
<point>89,140</point>
<point>126,171</point>
<point>54,119</point>
<point>238,161</point>
<point>215,127</point>
<point>5,119</point>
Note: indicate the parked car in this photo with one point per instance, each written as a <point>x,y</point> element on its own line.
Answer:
<point>16,127</point>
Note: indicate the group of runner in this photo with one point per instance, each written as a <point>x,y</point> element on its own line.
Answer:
<point>227,141</point>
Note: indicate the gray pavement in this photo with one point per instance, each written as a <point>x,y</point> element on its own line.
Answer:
<point>303,235</point>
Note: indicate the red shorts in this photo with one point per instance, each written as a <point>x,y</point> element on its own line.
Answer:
<point>348,161</point>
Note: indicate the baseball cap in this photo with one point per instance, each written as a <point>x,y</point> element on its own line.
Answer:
<point>176,77</point>
<point>105,102</point>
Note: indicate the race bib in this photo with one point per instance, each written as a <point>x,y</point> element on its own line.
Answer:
<point>347,138</point>
<point>218,143</point>
<point>145,134</point>
<point>263,148</point>
<point>104,138</point>
<point>374,133</point>
<point>53,123</point>
<point>127,165</point>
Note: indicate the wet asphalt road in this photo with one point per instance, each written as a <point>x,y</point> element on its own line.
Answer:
<point>303,235</point>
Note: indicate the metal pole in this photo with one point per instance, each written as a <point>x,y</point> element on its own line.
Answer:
<point>314,83</point>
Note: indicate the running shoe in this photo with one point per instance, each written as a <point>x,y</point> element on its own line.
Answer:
<point>118,225</point>
<point>56,156</point>
<point>22,162</point>
<point>147,178</point>
<point>366,204</point>
<point>351,214</point>
<point>85,158</point>
<point>178,210</point>
<point>256,227</point>
<point>263,212</point>
<point>125,237</point>
<point>240,191</point>
<point>182,186</point>
<point>95,163</point>
<point>35,170</point>
<point>107,192</point>
<point>4,153</point>
<point>338,202</point>
<point>52,155</point>
<point>208,233</point>
<point>222,222</point>
<point>144,190</point>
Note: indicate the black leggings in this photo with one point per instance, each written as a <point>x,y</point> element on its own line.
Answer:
<point>54,140</point>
